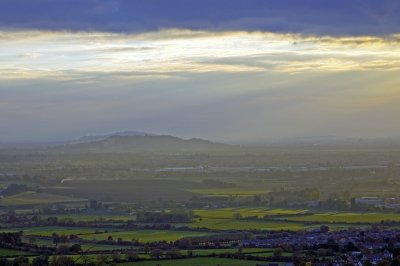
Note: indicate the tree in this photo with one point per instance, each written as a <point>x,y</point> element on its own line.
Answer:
<point>278,251</point>
<point>63,249</point>
<point>346,195</point>
<point>62,261</point>
<point>101,259</point>
<point>173,253</point>
<point>5,262</point>
<point>32,240</point>
<point>116,257</point>
<point>56,238</point>
<point>185,243</point>
<point>383,263</point>
<point>190,253</point>
<point>64,239</point>
<point>368,263</point>
<point>237,216</point>
<point>146,249</point>
<point>350,247</point>
<point>311,194</point>
<point>257,200</point>
<point>240,249</point>
<point>75,248</point>
<point>156,253</point>
<point>42,260</point>
<point>21,261</point>
<point>395,262</point>
<point>324,228</point>
<point>132,256</point>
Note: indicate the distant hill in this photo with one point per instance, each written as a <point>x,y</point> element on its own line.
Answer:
<point>144,143</point>
<point>93,138</point>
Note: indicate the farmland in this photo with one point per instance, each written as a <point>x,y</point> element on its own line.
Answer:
<point>104,233</point>
<point>283,219</point>
<point>196,261</point>
<point>33,198</point>
<point>232,224</point>
<point>258,212</point>
<point>347,217</point>
<point>183,209</point>
<point>11,252</point>
<point>49,230</point>
<point>144,235</point>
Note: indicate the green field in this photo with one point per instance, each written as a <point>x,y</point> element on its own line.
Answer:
<point>145,235</point>
<point>49,230</point>
<point>90,233</point>
<point>222,219</point>
<point>283,219</point>
<point>85,247</point>
<point>195,262</point>
<point>205,252</point>
<point>33,198</point>
<point>12,252</point>
<point>92,217</point>
<point>347,217</point>
<point>259,212</point>
<point>231,224</point>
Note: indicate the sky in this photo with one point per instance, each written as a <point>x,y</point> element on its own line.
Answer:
<point>222,70</point>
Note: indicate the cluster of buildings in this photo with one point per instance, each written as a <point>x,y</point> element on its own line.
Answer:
<point>348,246</point>
<point>390,203</point>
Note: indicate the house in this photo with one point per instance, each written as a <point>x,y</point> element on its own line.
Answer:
<point>369,201</point>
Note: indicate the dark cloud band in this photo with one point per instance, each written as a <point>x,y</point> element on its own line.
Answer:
<point>334,17</point>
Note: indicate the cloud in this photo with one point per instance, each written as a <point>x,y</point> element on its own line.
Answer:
<point>172,53</point>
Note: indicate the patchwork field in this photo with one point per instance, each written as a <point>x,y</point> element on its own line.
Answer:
<point>92,217</point>
<point>103,233</point>
<point>203,252</point>
<point>347,217</point>
<point>85,247</point>
<point>127,190</point>
<point>283,219</point>
<point>195,261</point>
<point>231,224</point>
<point>227,192</point>
<point>258,212</point>
<point>223,219</point>
<point>144,235</point>
<point>49,230</point>
<point>33,198</point>
<point>11,252</point>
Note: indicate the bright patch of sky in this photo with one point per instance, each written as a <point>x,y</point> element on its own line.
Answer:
<point>170,53</point>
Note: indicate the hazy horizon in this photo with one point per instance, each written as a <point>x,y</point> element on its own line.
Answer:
<point>306,139</point>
